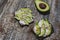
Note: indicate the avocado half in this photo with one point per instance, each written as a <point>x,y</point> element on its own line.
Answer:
<point>42,6</point>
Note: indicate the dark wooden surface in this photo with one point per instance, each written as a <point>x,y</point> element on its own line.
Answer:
<point>10,28</point>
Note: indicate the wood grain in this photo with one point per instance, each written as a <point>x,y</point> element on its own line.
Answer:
<point>13,30</point>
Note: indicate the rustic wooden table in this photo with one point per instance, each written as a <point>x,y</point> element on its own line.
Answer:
<point>10,28</point>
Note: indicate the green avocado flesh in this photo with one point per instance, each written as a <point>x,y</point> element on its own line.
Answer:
<point>48,28</point>
<point>37,29</point>
<point>42,6</point>
<point>24,14</point>
<point>43,28</point>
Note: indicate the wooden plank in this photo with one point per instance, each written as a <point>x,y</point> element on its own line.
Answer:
<point>13,30</point>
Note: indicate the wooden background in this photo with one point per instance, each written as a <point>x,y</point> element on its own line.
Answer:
<point>10,28</point>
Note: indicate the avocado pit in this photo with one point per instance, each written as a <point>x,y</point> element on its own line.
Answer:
<point>42,5</point>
